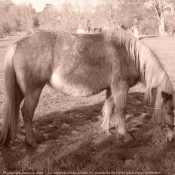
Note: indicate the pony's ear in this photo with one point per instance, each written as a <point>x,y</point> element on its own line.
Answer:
<point>166,96</point>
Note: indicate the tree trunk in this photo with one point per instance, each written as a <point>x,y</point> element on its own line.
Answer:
<point>162,25</point>
<point>79,25</point>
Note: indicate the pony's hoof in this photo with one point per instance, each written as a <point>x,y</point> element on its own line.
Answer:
<point>125,138</point>
<point>169,139</point>
<point>105,131</point>
<point>128,138</point>
<point>119,136</point>
<point>169,134</point>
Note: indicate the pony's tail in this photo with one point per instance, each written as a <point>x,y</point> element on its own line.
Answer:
<point>12,101</point>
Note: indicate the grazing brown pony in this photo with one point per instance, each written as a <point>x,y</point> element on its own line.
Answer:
<point>82,65</point>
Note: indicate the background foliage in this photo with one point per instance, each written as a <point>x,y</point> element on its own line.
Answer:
<point>153,16</point>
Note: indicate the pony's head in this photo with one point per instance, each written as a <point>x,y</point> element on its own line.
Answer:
<point>168,107</point>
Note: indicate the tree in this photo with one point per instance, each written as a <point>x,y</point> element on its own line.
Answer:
<point>83,9</point>
<point>36,21</point>
<point>69,16</point>
<point>47,17</point>
<point>24,17</point>
<point>5,23</point>
<point>160,7</point>
<point>88,9</point>
<point>120,13</point>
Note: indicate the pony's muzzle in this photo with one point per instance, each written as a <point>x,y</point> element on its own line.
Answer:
<point>168,126</point>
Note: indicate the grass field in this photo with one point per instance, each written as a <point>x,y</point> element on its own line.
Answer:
<point>68,130</point>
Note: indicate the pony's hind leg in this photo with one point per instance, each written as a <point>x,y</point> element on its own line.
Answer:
<point>30,103</point>
<point>108,110</point>
<point>120,93</point>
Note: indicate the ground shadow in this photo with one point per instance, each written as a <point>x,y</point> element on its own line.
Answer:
<point>54,125</point>
<point>57,124</point>
<point>72,140</point>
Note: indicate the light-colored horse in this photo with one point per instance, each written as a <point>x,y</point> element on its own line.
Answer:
<point>82,65</point>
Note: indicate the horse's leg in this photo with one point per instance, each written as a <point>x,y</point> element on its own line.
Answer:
<point>30,102</point>
<point>108,110</point>
<point>120,92</point>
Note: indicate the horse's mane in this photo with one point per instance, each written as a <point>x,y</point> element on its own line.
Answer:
<point>152,72</point>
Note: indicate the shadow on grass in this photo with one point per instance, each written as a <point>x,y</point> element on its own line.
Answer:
<point>72,141</point>
<point>57,124</point>
<point>54,125</point>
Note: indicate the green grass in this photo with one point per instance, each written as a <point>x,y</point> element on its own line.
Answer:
<point>68,130</point>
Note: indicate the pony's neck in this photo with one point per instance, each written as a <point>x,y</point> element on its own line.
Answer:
<point>152,72</point>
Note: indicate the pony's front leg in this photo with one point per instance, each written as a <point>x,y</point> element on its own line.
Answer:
<point>30,102</point>
<point>120,93</point>
<point>108,110</point>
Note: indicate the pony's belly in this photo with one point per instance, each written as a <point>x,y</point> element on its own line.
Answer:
<point>69,88</point>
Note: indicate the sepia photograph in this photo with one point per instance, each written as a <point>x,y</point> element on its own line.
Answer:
<point>87,87</point>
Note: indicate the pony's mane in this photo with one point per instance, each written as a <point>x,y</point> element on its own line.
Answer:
<point>152,72</point>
